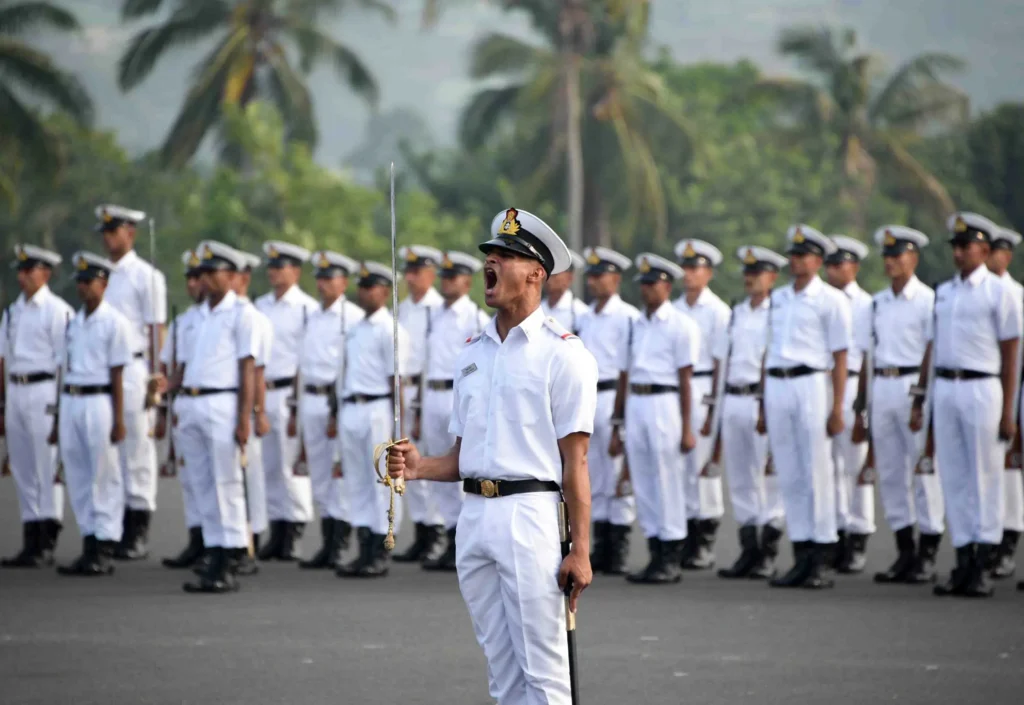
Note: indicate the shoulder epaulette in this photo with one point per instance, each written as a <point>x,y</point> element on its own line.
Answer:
<point>472,339</point>
<point>559,330</point>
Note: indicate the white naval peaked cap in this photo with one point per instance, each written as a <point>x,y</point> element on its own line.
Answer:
<point>971,227</point>
<point>190,260</point>
<point>420,256</point>
<point>697,253</point>
<point>215,256</point>
<point>761,259</point>
<point>604,259</point>
<point>251,261</point>
<point>1005,239</point>
<point>89,265</point>
<point>375,274</point>
<point>522,232</point>
<point>110,216</point>
<point>29,256</point>
<point>848,249</point>
<point>803,239</point>
<point>894,239</point>
<point>454,263</point>
<point>651,268</point>
<point>281,253</point>
<point>328,265</point>
<point>578,263</point>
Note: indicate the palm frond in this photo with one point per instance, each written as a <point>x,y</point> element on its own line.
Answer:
<point>292,98</point>
<point>913,181</point>
<point>904,86</point>
<point>813,47</point>
<point>26,129</point>
<point>315,45</point>
<point>485,113</point>
<point>25,16</point>
<point>502,55</point>
<point>802,101</point>
<point>134,9</point>
<point>936,104</point>
<point>36,73</point>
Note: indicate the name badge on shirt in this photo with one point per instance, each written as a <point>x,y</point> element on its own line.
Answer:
<point>469,370</point>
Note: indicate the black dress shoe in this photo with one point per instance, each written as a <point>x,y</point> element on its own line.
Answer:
<point>599,546</point>
<point>364,537</point>
<point>134,544</point>
<point>272,548</point>
<point>241,563</point>
<point>30,555</point>
<point>618,549</point>
<point>668,570</point>
<point>192,552</point>
<point>815,579</point>
<point>769,550</point>
<point>654,547</point>
<point>924,565</point>
<point>380,559</point>
<point>291,536</point>
<point>702,556</point>
<point>94,561</point>
<point>1004,564</point>
<point>960,577</point>
<point>802,567</point>
<point>445,561</point>
<point>836,552</point>
<point>322,558</point>
<point>901,569</point>
<point>749,558</point>
<point>202,566</point>
<point>856,557</point>
<point>690,542</point>
<point>49,532</point>
<point>218,578</point>
<point>979,585</point>
<point>417,548</point>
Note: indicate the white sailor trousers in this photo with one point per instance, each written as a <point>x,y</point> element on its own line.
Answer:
<point>907,498</point>
<point>33,460</point>
<point>507,556</point>
<point>704,498</point>
<point>255,482</point>
<point>364,425</point>
<point>214,459</point>
<point>1013,494</point>
<point>606,470</point>
<point>91,471</point>
<point>855,503</point>
<point>445,498</point>
<point>796,411</point>
<point>970,457</point>
<point>321,452</point>
<point>755,496</point>
<point>289,496</point>
<point>189,499</point>
<point>138,452</point>
<point>654,434</point>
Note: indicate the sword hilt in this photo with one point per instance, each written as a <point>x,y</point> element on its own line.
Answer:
<point>396,486</point>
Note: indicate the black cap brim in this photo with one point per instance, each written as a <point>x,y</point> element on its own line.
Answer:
<point>899,248</point>
<point>522,244</point>
<point>87,275</point>
<point>653,276</point>
<point>841,257</point>
<point>805,248</point>
<point>283,261</point>
<point>695,261</point>
<point>217,264</point>
<point>970,235</point>
<point>452,272</point>
<point>373,280</point>
<point>759,268</point>
<point>330,272</point>
<point>600,268</point>
<point>1002,245</point>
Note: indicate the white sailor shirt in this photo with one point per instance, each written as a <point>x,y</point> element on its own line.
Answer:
<point>370,353</point>
<point>225,335</point>
<point>663,344</point>
<point>901,325</point>
<point>711,315</point>
<point>569,311</point>
<point>32,333</point>
<point>606,335</point>
<point>139,292</point>
<point>286,319</point>
<point>95,344</point>
<point>322,356</point>
<point>450,327</point>
<point>808,326</point>
<point>744,340</point>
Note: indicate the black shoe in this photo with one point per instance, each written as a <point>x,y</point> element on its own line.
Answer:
<point>668,569</point>
<point>690,542</point>
<point>802,566</point>
<point>599,546</point>
<point>241,563</point>
<point>1005,566</point>
<point>218,577</point>
<point>924,565</point>
<point>291,536</point>
<point>49,532</point>
<point>703,557</point>
<point>321,559</point>
<point>903,567</point>
<point>349,570</point>
<point>856,556</point>
<point>417,548</point>
<point>94,561</point>
<point>31,555</point>
<point>750,555</point>
<point>339,542</point>
<point>815,580</point>
<point>979,584</point>
<point>134,544</point>
<point>202,566</point>
<point>765,569</point>
<point>272,548</point>
<point>960,576</point>
<point>380,559</point>
<point>192,552</point>
<point>835,554</point>
<point>654,548</point>
<point>446,561</point>
<point>618,549</point>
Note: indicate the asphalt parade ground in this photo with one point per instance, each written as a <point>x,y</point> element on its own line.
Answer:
<point>306,637</point>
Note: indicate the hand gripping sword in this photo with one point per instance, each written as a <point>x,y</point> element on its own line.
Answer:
<point>381,449</point>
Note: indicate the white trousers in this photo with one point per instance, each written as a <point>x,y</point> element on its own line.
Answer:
<point>255,483</point>
<point>446,497</point>
<point>605,470</point>
<point>507,557</point>
<point>907,498</point>
<point>138,452</point>
<point>91,471</point>
<point>796,411</point>
<point>321,452</point>
<point>189,498</point>
<point>33,460</point>
<point>1013,492</point>
<point>420,499</point>
<point>289,496</point>
<point>704,498</point>
<point>755,496</point>
<point>362,427</point>
<point>214,460</point>
<point>855,503</point>
<point>970,458</point>
<point>654,433</point>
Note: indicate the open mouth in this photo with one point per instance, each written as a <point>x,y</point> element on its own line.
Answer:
<point>490,279</point>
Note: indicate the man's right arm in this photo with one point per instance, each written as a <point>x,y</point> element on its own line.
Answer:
<point>405,461</point>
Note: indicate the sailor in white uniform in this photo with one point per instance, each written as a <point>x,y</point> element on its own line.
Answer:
<point>560,302</point>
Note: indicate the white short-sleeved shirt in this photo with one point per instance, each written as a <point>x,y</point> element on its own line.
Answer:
<point>744,341</point>
<point>226,334</point>
<point>139,292</point>
<point>321,359</point>
<point>605,334</point>
<point>808,326</point>
<point>972,316</point>
<point>96,343</point>
<point>450,326</point>
<point>181,333</point>
<point>662,345</point>
<point>569,311</point>
<point>711,315</point>
<point>264,333</point>
<point>901,325</point>
<point>860,319</point>
<point>370,350</point>
<point>515,399</point>
<point>412,316</point>
<point>32,333</point>
<point>286,319</point>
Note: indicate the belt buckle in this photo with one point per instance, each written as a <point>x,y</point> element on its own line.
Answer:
<point>958,374</point>
<point>193,391</point>
<point>73,390</point>
<point>21,379</point>
<point>488,488</point>
<point>643,389</point>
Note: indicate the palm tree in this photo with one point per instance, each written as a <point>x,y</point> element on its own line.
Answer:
<point>876,121</point>
<point>250,60</point>
<point>27,72</point>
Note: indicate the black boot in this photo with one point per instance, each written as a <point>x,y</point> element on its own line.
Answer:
<point>979,584</point>
<point>202,566</point>
<point>291,534</point>
<point>837,552</point>
<point>1005,566</point>
<point>95,559</point>
<point>30,555</point>
<point>960,576</point>
<point>654,548</point>
<point>192,552</point>
<point>241,563</point>
<point>599,546</point>
<point>417,548</point>
<point>134,544</point>
<point>690,542</point>
<point>902,568</point>
<point>321,559</point>
<point>338,544</point>
<point>446,561</point>
<point>272,548</point>
<point>856,555</point>
<point>815,580</point>
<point>49,532</point>
<point>618,549</point>
<point>765,569</point>
<point>924,565</point>
<point>749,558</point>
<point>380,558</point>
<point>218,577</point>
<point>435,544</point>
<point>668,569</point>
<point>802,566</point>
<point>365,557</point>
<point>703,557</point>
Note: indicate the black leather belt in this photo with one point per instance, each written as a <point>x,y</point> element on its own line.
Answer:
<point>280,383</point>
<point>644,390</point>
<point>743,390</point>
<point>702,373</point>
<point>319,388</point>
<point>947,373</point>
<point>440,385</point>
<point>412,379</point>
<point>139,355</point>
<point>364,398</point>
<point>504,488</point>
<point>896,371</point>
<point>791,372</point>
<point>206,391</point>
<point>606,384</point>
<point>31,377</point>
<point>84,390</point>
<point>852,373</point>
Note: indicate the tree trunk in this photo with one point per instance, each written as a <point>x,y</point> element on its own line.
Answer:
<point>596,225</point>
<point>572,30</point>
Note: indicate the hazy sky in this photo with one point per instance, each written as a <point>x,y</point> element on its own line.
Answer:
<point>425,70</point>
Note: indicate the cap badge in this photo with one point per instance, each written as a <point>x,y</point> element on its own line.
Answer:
<point>447,262</point>
<point>592,258</point>
<point>411,256</point>
<point>364,272</point>
<point>960,225</point>
<point>689,251</point>
<point>272,252</point>
<point>889,239</point>
<point>83,264</point>
<point>207,253</point>
<point>323,263</point>
<point>798,236</point>
<point>510,226</point>
<point>22,255</point>
<point>750,257</point>
<point>645,266</point>
<point>106,216</point>
<point>193,260</point>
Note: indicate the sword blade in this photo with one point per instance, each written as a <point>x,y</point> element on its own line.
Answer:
<point>396,398</point>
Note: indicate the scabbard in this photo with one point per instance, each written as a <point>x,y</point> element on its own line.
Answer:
<point>570,618</point>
